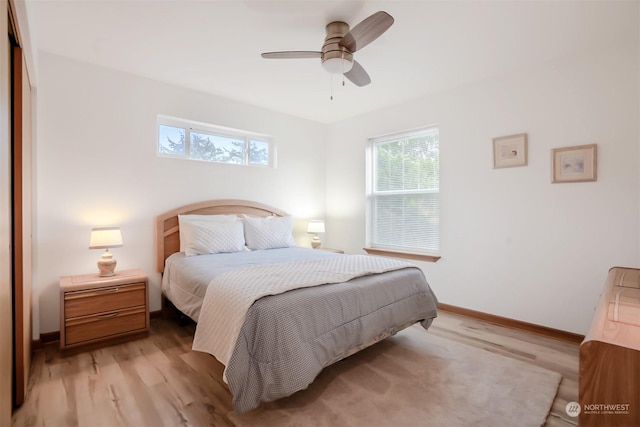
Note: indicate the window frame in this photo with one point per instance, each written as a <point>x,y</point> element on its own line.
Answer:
<point>399,251</point>
<point>214,130</point>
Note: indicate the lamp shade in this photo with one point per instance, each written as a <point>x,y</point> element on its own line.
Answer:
<point>105,237</point>
<point>315,226</point>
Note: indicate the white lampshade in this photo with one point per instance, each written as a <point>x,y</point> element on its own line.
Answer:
<point>105,237</point>
<point>315,226</point>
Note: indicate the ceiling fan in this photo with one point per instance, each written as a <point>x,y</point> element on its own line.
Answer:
<point>340,45</point>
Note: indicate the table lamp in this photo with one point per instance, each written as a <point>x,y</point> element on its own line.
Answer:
<point>315,227</point>
<point>105,238</point>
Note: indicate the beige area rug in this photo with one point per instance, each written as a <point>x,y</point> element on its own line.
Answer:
<point>417,379</point>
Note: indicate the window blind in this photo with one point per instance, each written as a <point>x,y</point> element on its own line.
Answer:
<point>405,193</point>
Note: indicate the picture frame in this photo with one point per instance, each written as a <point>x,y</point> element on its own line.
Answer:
<point>510,151</point>
<point>574,164</point>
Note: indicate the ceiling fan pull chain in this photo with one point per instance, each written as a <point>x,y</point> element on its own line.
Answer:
<point>343,74</point>
<point>331,90</point>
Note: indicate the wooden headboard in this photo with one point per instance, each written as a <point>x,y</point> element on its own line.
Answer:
<point>167,229</point>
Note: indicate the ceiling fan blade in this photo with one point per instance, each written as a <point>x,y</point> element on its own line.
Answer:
<point>367,31</point>
<point>358,75</point>
<point>292,54</point>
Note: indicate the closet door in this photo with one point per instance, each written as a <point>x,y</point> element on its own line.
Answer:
<point>21,229</point>
<point>20,214</point>
<point>6,322</point>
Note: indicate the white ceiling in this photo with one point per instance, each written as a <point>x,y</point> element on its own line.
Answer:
<point>214,46</point>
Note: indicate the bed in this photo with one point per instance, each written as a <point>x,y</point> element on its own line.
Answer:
<point>273,313</point>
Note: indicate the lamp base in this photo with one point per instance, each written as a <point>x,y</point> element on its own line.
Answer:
<point>107,265</point>
<point>316,243</point>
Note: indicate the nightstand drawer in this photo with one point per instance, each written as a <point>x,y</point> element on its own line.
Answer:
<point>103,325</point>
<point>86,302</point>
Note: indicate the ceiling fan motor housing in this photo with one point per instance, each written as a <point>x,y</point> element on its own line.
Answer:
<point>336,58</point>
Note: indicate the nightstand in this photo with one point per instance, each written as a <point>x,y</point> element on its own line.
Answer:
<point>96,309</point>
<point>337,251</point>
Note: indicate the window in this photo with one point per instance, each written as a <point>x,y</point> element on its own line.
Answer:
<point>404,192</point>
<point>200,141</point>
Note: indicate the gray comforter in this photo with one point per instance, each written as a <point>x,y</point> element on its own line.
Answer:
<point>287,339</point>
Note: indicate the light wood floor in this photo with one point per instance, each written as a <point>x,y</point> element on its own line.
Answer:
<point>70,391</point>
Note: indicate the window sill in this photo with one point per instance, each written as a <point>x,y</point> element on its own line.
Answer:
<point>405,255</point>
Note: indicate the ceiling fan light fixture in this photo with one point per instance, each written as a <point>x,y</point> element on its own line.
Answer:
<point>337,65</point>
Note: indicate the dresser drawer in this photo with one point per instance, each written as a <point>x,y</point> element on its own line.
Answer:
<point>627,278</point>
<point>624,306</point>
<point>92,301</point>
<point>104,325</point>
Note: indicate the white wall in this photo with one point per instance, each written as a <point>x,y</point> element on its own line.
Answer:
<point>512,243</point>
<point>97,166</point>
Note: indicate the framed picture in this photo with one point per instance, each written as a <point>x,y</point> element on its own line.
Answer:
<point>574,164</point>
<point>510,151</point>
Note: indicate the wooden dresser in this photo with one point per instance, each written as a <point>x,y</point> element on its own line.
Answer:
<point>96,309</point>
<point>610,355</point>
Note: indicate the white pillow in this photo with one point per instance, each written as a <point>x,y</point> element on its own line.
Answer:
<point>184,219</point>
<point>268,233</point>
<point>202,237</point>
